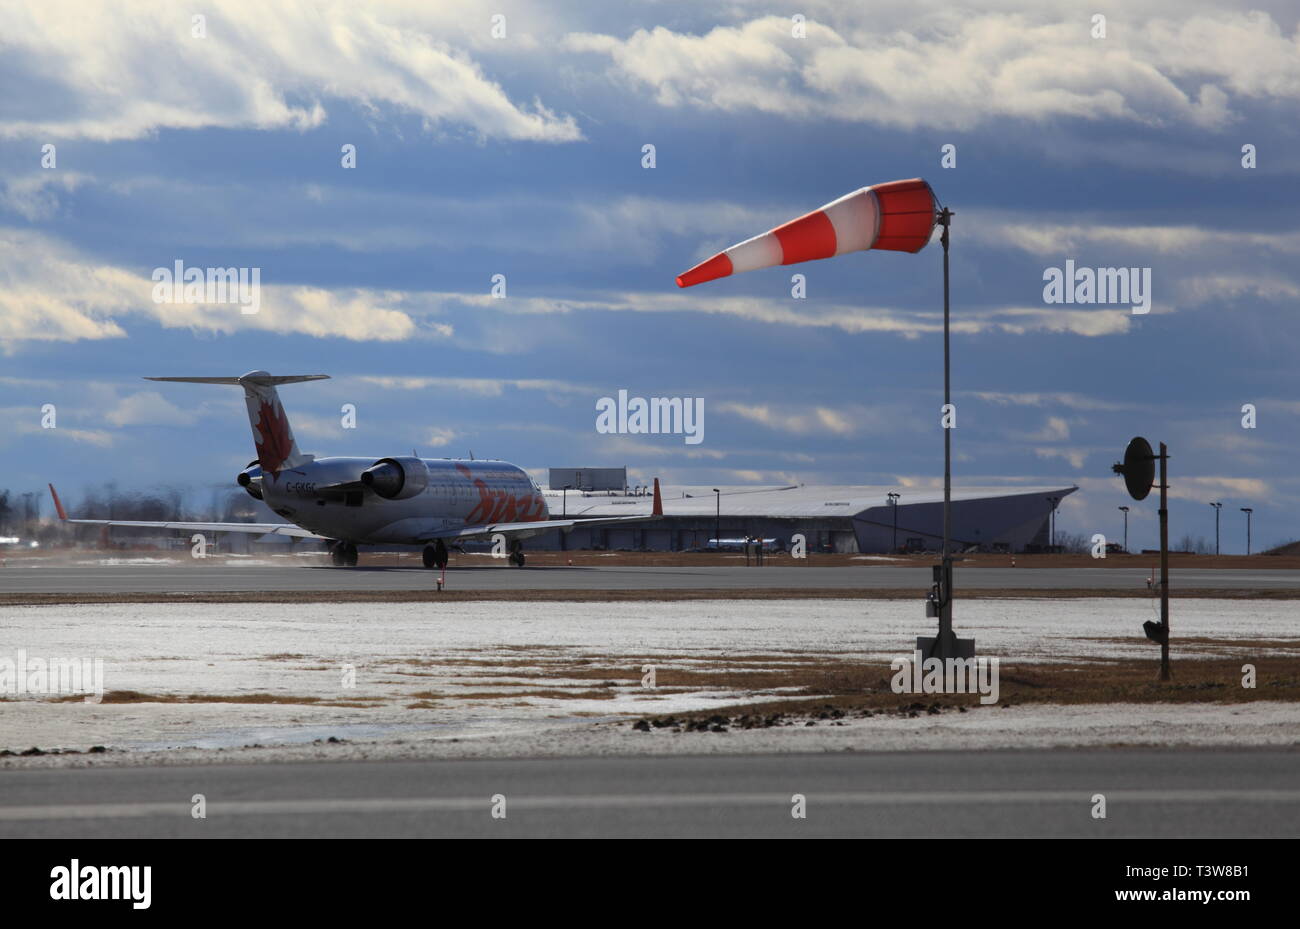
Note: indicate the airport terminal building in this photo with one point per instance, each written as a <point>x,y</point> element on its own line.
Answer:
<point>831,518</point>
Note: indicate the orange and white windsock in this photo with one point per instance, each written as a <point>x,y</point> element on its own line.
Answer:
<point>898,216</point>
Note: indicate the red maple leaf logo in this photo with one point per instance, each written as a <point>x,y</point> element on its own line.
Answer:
<point>273,444</point>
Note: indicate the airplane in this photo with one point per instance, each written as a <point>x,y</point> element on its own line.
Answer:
<point>347,502</point>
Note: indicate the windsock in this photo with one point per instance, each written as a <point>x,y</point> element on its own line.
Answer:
<point>898,216</point>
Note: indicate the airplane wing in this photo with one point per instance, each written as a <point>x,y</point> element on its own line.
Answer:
<point>524,530</point>
<point>256,528</point>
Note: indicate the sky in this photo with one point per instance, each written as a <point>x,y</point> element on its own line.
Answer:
<point>508,139</point>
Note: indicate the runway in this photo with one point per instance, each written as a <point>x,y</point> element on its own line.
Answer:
<point>179,577</point>
<point>1176,794</point>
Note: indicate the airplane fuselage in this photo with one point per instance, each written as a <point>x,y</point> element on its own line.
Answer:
<point>458,493</point>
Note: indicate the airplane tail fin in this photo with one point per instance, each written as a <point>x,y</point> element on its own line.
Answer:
<point>276,447</point>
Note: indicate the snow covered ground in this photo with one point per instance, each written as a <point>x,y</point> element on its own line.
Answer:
<point>494,669</point>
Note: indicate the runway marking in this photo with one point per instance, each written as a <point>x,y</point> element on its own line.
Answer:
<point>636,801</point>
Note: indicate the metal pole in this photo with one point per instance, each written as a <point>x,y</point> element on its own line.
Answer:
<point>945,610</point>
<point>1164,561</point>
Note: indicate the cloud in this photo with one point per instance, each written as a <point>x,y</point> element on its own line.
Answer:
<point>1055,429</point>
<point>483,386</point>
<point>1075,456</point>
<point>130,69</point>
<point>1205,287</point>
<point>801,422</point>
<point>1213,487</point>
<point>52,293</point>
<point>958,71</point>
<point>35,196</point>
<point>148,408</point>
<point>98,437</point>
<point>437,437</point>
<point>1039,237</point>
<point>1070,400</point>
<point>846,318</point>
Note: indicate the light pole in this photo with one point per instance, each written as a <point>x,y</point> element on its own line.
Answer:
<point>1124,510</point>
<point>1051,524</point>
<point>564,501</point>
<point>893,501</point>
<point>717,526</point>
<point>1247,510</point>
<point>1217,507</point>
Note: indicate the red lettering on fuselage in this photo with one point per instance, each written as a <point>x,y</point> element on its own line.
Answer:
<point>500,506</point>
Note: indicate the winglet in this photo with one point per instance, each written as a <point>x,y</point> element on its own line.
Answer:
<point>658,509</point>
<point>58,507</point>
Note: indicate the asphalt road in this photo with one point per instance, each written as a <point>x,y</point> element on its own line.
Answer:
<point>1174,794</point>
<point>199,577</point>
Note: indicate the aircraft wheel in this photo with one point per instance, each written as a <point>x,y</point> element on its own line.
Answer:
<point>440,555</point>
<point>429,556</point>
<point>336,554</point>
<point>350,556</point>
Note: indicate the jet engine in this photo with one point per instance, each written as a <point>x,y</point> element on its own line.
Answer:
<point>396,478</point>
<point>251,480</point>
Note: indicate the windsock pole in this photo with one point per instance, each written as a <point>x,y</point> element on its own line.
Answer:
<point>946,644</point>
<point>945,614</point>
<point>897,216</point>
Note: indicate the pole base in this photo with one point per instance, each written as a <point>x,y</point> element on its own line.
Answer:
<point>945,647</point>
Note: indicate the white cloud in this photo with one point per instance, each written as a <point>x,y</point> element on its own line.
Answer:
<point>437,438</point>
<point>35,196</point>
<point>1056,429</point>
<point>816,419</point>
<point>97,437</point>
<point>51,293</point>
<point>1075,456</point>
<point>1040,237</point>
<point>125,70</point>
<point>847,318</point>
<point>148,408</point>
<point>1205,287</point>
<point>1209,487</point>
<point>957,70</point>
<point>1070,400</point>
<point>483,386</point>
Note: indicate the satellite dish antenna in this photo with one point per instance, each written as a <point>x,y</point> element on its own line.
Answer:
<point>1139,472</point>
<point>1138,468</point>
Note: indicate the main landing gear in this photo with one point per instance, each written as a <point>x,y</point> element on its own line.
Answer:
<point>517,553</point>
<point>435,555</point>
<point>343,555</point>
